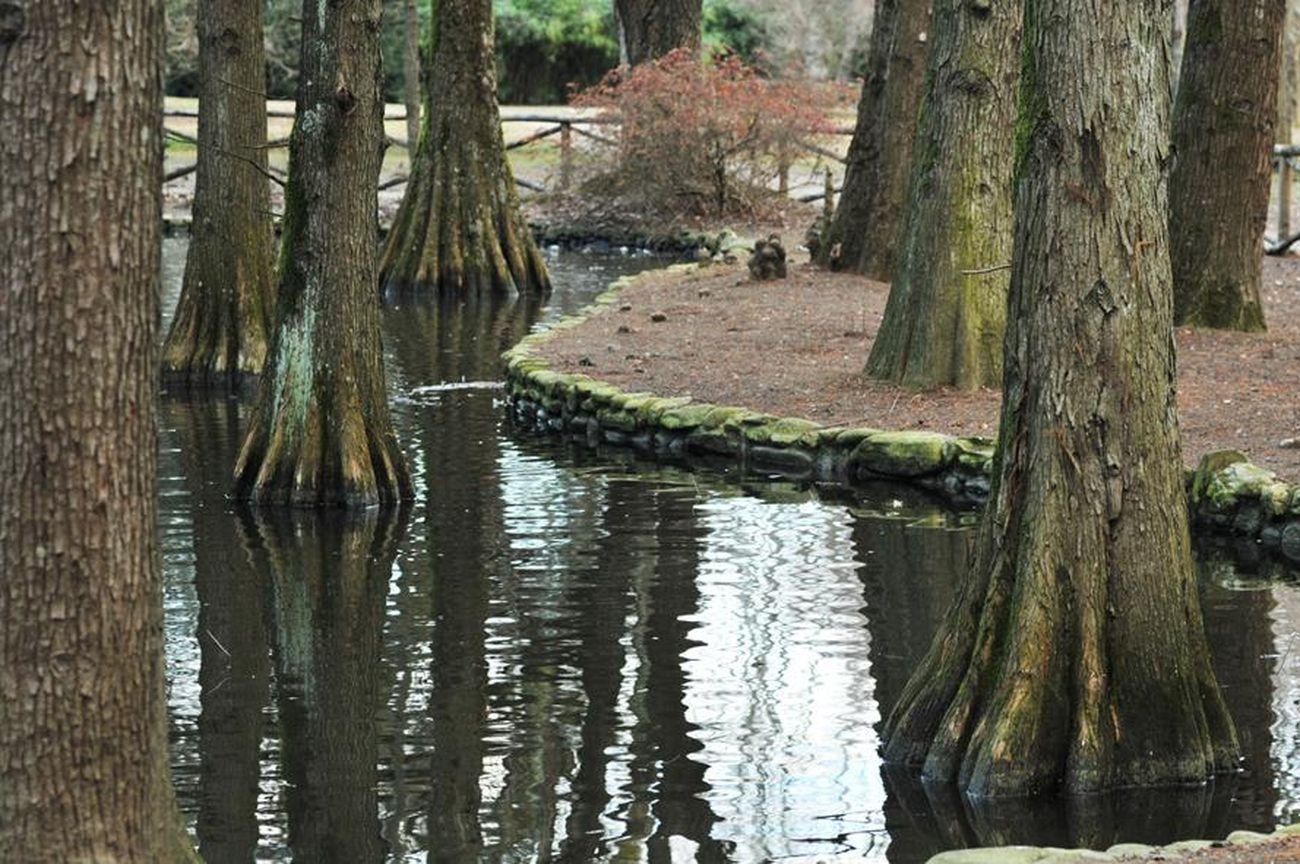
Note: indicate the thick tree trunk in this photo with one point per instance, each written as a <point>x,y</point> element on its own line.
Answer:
<point>1075,655</point>
<point>649,29</point>
<point>944,319</point>
<point>223,319</point>
<point>1224,121</point>
<point>83,724</point>
<point>459,228</point>
<point>320,433</point>
<point>411,72</point>
<point>863,236</point>
<point>1177,39</point>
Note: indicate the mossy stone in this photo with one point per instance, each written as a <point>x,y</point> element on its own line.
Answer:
<point>785,432</point>
<point>904,454</point>
<point>652,412</point>
<point>1238,480</point>
<point>1211,464</point>
<point>685,417</point>
<point>616,419</point>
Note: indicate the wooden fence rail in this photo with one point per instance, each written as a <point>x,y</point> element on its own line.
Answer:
<point>562,125</point>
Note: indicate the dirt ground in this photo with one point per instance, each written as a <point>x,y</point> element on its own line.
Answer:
<point>796,347</point>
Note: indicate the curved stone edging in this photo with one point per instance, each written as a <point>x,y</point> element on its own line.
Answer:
<point>1119,852</point>
<point>1226,493</point>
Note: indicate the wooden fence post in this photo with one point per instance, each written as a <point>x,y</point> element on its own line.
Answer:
<point>566,155</point>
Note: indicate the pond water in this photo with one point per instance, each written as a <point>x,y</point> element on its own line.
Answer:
<point>560,655</point>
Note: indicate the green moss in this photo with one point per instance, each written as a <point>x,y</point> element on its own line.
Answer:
<point>615,418</point>
<point>1211,464</point>
<point>652,412</point>
<point>1226,487</point>
<point>855,436</point>
<point>904,454</point>
<point>786,431</point>
<point>685,417</point>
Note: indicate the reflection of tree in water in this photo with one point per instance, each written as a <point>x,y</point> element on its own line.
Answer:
<point>234,671</point>
<point>326,574</point>
<point>666,780</point>
<point>436,339</point>
<point>908,583</point>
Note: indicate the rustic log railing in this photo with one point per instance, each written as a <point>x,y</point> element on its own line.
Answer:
<point>565,126</point>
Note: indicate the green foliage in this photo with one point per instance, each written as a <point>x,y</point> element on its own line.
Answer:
<point>544,46</point>
<point>732,28</point>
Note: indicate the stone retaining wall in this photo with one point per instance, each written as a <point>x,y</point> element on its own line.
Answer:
<point>1226,492</point>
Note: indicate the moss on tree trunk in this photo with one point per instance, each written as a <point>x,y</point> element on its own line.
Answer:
<point>944,318</point>
<point>459,228</point>
<point>863,235</point>
<point>223,319</point>
<point>1224,129</point>
<point>1075,656</point>
<point>649,29</point>
<point>320,433</point>
<point>83,725</point>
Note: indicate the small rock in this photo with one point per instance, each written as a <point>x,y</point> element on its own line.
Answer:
<point>1289,443</point>
<point>658,317</point>
<point>626,307</point>
<point>585,361</point>
<point>704,292</point>
<point>623,328</point>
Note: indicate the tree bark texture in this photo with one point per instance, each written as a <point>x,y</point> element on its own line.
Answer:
<point>411,72</point>
<point>224,316</point>
<point>1224,128</point>
<point>863,236</point>
<point>83,725</point>
<point>1075,656</point>
<point>320,433</point>
<point>459,229</point>
<point>649,29</point>
<point>946,311</point>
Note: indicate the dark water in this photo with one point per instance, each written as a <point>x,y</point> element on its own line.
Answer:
<point>565,656</point>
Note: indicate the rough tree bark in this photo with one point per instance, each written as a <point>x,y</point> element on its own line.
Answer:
<point>863,235</point>
<point>1075,656</point>
<point>944,318</point>
<point>223,319</point>
<point>1224,120</point>
<point>411,72</point>
<point>649,29</point>
<point>459,228</point>
<point>320,433</point>
<point>83,723</point>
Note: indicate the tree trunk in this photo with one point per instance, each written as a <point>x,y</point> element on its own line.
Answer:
<point>944,319</point>
<point>863,236</point>
<point>649,29</point>
<point>459,228</point>
<point>411,72</point>
<point>224,316</point>
<point>1177,38</point>
<point>1075,656</point>
<point>1288,89</point>
<point>1223,137</point>
<point>320,433</point>
<point>83,724</point>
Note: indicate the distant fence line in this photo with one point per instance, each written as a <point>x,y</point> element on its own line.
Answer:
<point>564,126</point>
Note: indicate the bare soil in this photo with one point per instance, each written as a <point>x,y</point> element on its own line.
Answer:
<point>797,347</point>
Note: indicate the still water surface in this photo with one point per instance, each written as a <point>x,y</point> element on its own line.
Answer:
<point>557,655</point>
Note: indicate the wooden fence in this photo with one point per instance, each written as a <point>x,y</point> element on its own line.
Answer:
<point>563,126</point>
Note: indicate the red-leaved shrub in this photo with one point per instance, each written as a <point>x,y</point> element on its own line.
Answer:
<point>701,137</point>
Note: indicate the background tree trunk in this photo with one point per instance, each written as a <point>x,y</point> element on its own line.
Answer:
<point>223,319</point>
<point>1075,655</point>
<point>320,433</point>
<point>649,29</point>
<point>944,318</point>
<point>863,236</point>
<point>411,71</point>
<point>83,724</point>
<point>459,228</point>
<point>1224,121</point>
<point>1177,39</point>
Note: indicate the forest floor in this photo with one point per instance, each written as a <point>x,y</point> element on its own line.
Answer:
<point>797,347</point>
